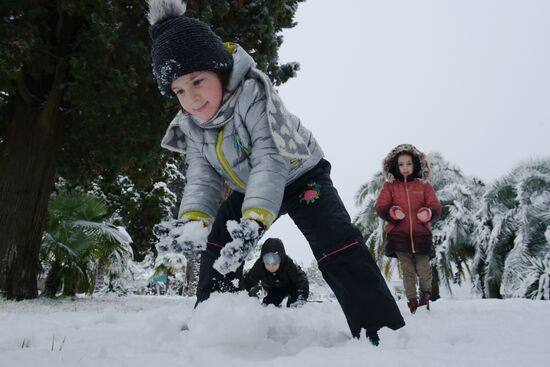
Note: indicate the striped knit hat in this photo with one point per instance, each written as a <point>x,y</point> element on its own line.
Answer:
<point>182,45</point>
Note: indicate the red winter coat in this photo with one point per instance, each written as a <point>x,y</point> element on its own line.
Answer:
<point>409,234</point>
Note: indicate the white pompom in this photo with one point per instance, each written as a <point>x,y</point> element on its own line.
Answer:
<point>164,9</point>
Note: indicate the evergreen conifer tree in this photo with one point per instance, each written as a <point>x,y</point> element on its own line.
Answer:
<point>77,100</point>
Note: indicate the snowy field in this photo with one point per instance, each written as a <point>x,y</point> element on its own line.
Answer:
<point>235,330</point>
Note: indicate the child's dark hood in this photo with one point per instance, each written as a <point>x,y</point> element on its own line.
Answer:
<point>274,245</point>
<point>390,169</point>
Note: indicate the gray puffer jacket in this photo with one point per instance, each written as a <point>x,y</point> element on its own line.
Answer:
<point>241,150</point>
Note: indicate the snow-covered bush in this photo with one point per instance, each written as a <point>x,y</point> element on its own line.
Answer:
<point>319,290</point>
<point>512,258</point>
<point>77,237</point>
<point>453,234</point>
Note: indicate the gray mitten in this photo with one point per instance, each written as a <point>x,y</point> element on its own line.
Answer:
<point>245,235</point>
<point>181,236</point>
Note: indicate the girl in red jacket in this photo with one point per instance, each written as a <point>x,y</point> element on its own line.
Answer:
<point>408,204</point>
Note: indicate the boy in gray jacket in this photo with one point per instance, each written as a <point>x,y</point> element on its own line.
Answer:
<point>234,128</point>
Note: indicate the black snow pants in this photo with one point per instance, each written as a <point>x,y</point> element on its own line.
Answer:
<point>343,258</point>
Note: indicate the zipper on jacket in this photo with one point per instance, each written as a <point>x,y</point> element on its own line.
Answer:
<point>225,164</point>
<point>410,216</point>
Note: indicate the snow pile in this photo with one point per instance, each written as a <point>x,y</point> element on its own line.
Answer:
<point>236,330</point>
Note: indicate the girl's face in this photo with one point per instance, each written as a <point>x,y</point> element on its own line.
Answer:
<point>199,93</point>
<point>405,163</point>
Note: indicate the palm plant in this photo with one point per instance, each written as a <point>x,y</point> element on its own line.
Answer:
<point>77,236</point>
<point>370,225</point>
<point>513,257</point>
<point>453,234</point>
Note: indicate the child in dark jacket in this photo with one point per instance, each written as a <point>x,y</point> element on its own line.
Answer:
<point>233,127</point>
<point>408,203</point>
<point>278,275</point>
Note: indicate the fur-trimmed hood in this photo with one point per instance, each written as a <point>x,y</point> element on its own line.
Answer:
<point>390,169</point>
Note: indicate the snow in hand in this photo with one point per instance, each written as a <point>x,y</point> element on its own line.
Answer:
<point>235,330</point>
<point>181,237</point>
<point>245,237</point>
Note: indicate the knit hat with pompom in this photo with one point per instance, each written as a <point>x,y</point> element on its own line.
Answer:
<point>182,45</point>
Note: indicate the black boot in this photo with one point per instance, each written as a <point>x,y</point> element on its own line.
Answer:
<point>372,337</point>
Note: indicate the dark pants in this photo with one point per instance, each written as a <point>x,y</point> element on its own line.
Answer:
<point>345,262</point>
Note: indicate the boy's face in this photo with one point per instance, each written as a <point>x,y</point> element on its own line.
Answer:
<point>272,268</point>
<point>405,163</point>
<point>199,93</point>
<point>272,261</point>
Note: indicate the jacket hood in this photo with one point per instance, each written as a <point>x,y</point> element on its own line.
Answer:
<point>242,63</point>
<point>274,245</point>
<point>390,169</point>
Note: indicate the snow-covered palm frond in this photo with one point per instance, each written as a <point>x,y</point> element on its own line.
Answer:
<point>526,277</point>
<point>453,233</point>
<point>513,221</point>
<point>69,206</point>
<point>370,225</point>
<point>454,245</point>
<point>376,242</point>
<point>119,259</point>
<point>77,235</point>
<point>539,288</point>
<point>369,190</point>
<point>362,193</point>
<point>104,230</point>
<point>55,248</point>
<point>501,242</point>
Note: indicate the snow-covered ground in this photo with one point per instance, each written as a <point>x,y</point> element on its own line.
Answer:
<point>235,330</point>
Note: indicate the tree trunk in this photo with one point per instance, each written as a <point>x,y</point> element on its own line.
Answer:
<point>53,280</point>
<point>192,274</point>
<point>70,283</point>
<point>27,157</point>
<point>99,281</point>
<point>26,180</point>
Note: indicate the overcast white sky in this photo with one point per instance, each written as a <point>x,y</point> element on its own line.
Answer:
<point>468,78</point>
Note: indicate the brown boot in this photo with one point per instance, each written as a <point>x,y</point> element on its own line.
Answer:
<point>413,304</point>
<point>425,299</point>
